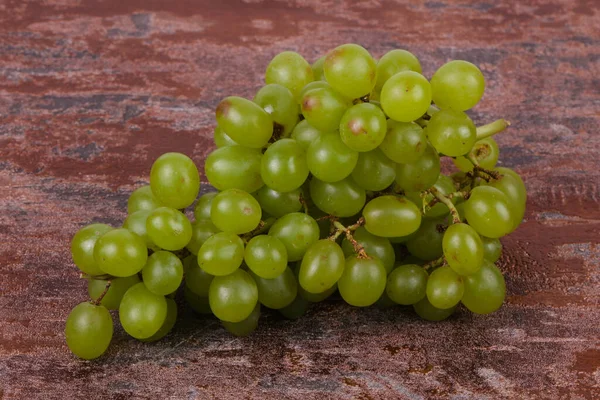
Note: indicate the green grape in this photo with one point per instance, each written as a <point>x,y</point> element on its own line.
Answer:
<point>457,85</point>
<point>120,253</point>
<point>329,159</point>
<point>488,212</point>
<point>317,69</point>
<point>308,296</point>
<point>168,323</point>
<point>321,266</point>
<point>404,142</point>
<point>82,247</point>
<point>198,303</point>
<point>374,246</point>
<point>513,187</point>
<point>374,171</point>
<point>295,309</point>
<point>163,273</point>
<point>174,180</point>
<point>142,198</point>
<point>277,292</point>
<point>115,293</point>
<point>266,256</point>
<point>444,185</point>
<point>136,223</point>
<point>284,167</point>
<point>277,203</point>
<point>297,232</point>
<point>291,70</point>
<point>463,249</point>
<point>88,330</point>
<point>244,121</point>
<point>486,153</point>
<point>484,290</point>
<point>324,108</point>
<point>142,313</point>
<point>363,281</point>
<point>393,62</point>
<point>445,288</point>
<point>425,310</point>
<point>280,103</point>
<point>350,70</point>
<point>341,199</point>
<point>221,139</point>
<point>384,302</point>
<point>426,243</point>
<point>391,216</point>
<point>246,326</point>
<point>451,132</point>
<point>202,208</point>
<point>196,279</point>
<point>221,254</point>
<point>201,231</point>
<point>492,249</point>
<point>363,127</point>
<point>235,211</point>
<point>304,134</point>
<point>406,284</point>
<point>234,167</point>
<point>420,175</point>
<point>406,96</point>
<point>233,297</point>
<point>169,228</point>
<point>313,85</point>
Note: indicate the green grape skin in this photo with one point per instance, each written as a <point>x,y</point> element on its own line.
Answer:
<point>196,279</point>
<point>406,284</point>
<point>142,312</point>
<point>393,62</point>
<point>295,309</point>
<point>221,138</point>
<point>391,216</point>
<point>457,85</point>
<point>374,246</point>
<point>313,85</point>
<point>363,127</point>
<point>142,198</point>
<point>221,254</point>
<point>277,203</point>
<point>324,108</point>
<point>321,267</point>
<point>492,249</point>
<point>235,211</point>
<point>451,132</point>
<point>420,175</point>
<point>329,159</point>
<point>513,187</point>
<point>88,330</point>
<point>284,167</point>
<point>428,312</point>
<point>163,273</point>
<point>488,212</point>
<point>169,228</point>
<point>244,121</point>
<point>341,199</point>
<point>266,256</point>
<point>445,288</point>
<point>168,323</point>
<point>120,253</point>
<point>82,247</point>
<point>317,68</point>
<point>444,185</point>
<point>404,142</point>
<point>174,180</point>
<point>280,104</point>
<point>136,223</point>
<point>232,297</point>
<point>463,249</point>
<point>484,290</point>
<point>384,302</point>
<point>363,281</point>
<point>234,167</point>
<point>116,291</point>
<point>277,292</point>
<point>308,296</point>
<point>486,152</point>
<point>350,70</point>
<point>297,232</point>
<point>305,134</point>
<point>291,70</point>
<point>202,207</point>
<point>246,326</point>
<point>198,303</point>
<point>406,96</point>
<point>426,243</point>
<point>374,171</point>
<point>201,231</point>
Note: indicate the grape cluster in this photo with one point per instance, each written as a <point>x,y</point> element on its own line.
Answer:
<point>329,180</point>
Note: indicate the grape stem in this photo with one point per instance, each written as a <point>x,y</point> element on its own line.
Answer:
<point>358,248</point>
<point>434,264</point>
<point>303,202</point>
<point>478,170</point>
<point>448,202</point>
<point>99,299</point>
<point>432,110</point>
<point>492,128</point>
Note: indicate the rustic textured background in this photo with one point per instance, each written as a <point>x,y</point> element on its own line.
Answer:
<point>92,91</point>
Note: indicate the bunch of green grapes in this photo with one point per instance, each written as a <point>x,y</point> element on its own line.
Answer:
<point>322,181</point>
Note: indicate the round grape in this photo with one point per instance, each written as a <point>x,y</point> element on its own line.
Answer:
<point>136,223</point>
<point>451,132</point>
<point>232,297</point>
<point>196,279</point>
<point>280,103</point>
<point>484,290</point>
<point>324,108</point>
<point>374,171</point>
<point>88,330</point>
<point>426,242</point>
<point>295,309</point>
<point>163,273</point>
<point>82,248</point>
<point>169,228</point>
<point>297,231</point>
<point>284,167</point>
<point>291,70</point>
<point>168,323</point>
<point>304,134</point>
<point>350,70</point>
<point>492,249</point>
<point>120,253</point>
<point>198,303</point>
<point>391,216</point>
<point>221,139</point>
<point>463,249</point>
<point>513,187</point>
<point>266,256</point>
<point>174,180</point>
<point>321,267</point>
<point>445,288</point>
<point>457,85</point>
<point>235,211</point>
<point>341,199</point>
<point>202,208</point>
<point>392,62</point>
<point>317,68</point>
<point>234,167</point>
<point>142,198</point>
<point>329,159</point>
<point>277,203</point>
<point>363,281</point>
<point>404,142</point>
<point>277,292</point>
<point>488,212</point>
<point>363,127</point>
<point>486,153</point>
<point>201,231</point>
<point>406,284</point>
<point>406,96</point>
<point>142,312</point>
<point>221,254</point>
<point>244,121</point>
<point>420,175</point>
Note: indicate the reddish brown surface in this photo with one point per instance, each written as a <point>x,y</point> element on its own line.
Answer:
<point>91,92</point>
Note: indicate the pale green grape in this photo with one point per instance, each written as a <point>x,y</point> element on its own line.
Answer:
<point>391,216</point>
<point>198,303</point>
<point>163,273</point>
<point>232,297</point>
<point>425,310</point>
<point>174,180</point>
<point>392,62</point>
<point>513,187</point>
<point>324,108</point>
<point>420,175</point>
<point>295,309</point>
<point>201,231</point>
<point>120,253</point>
<point>277,292</point>
<point>329,159</point>
<point>363,127</point>
<point>142,198</point>
<point>169,228</point>
<point>221,254</point>
<point>266,256</point>
<point>168,323</point>
<point>445,288</point>
<point>235,211</point>
<point>317,68</point>
<point>374,171</point>
<point>488,211</point>
<point>202,208</point>
<point>406,284</point>
<point>245,122</point>
<point>350,70</point>
<point>451,132</point>
<point>284,167</point>
<point>463,249</point>
<point>374,246</point>
<point>363,281</point>
<point>406,96</point>
<point>404,142</point>
<point>291,70</point>
<point>313,85</point>
<point>444,185</point>
<point>321,267</point>
<point>486,153</point>
<point>280,103</point>
<point>136,223</point>
<point>116,291</point>
<point>82,247</point>
<point>297,231</point>
<point>308,296</point>
<point>484,290</point>
<point>304,134</point>
<point>88,330</point>
<point>457,85</point>
<point>196,279</point>
<point>277,203</point>
<point>234,167</point>
<point>492,249</point>
<point>142,312</point>
<point>426,242</point>
<point>221,139</point>
<point>246,326</point>
<point>341,199</point>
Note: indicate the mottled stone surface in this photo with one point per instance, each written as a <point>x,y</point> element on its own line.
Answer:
<point>92,91</point>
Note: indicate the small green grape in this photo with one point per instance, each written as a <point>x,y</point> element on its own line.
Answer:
<point>313,85</point>
<point>280,103</point>
<point>304,134</point>
<point>136,223</point>
<point>291,70</point>
<point>350,70</point>
<point>374,246</point>
<point>329,159</point>
<point>246,326</point>
<point>88,330</point>
<point>245,122</point>
<point>341,199</point>
<point>404,142</point>
<point>321,267</point>
<point>233,297</point>
<point>406,96</point>
<point>266,256</point>
<point>169,228</point>
<point>451,132</point>
<point>392,62</point>
<point>324,108</point>
<point>163,273</point>
<point>235,211</point>
<point>174,180</point>
<point>463,249</point>
<point>391,216</point>
<point>284,167</point>
<point>142,198</point>
<point>201,231</point>
<point>82,247</point>
<point>277,203</point>
<point>407,284</point>
<point>484,290</point>
<point>492,249</point>
<point>426,242</point>
<point>120,253</point>
<point>445,288</point>
<point>363,281</point>
<point>202,208</point>
<point>116,291</point>
<point>277,292</point>
<point>234,167</point>
<point>363,127</point>
<point>221,254</point>
<point>457,85</point>
<point>374,171</point>
<point>142,313</point>
<point>297,232</point>
<point>488,212</point>
<point>168,323</point>
<point>513,187</point>
<point>420,175</point>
